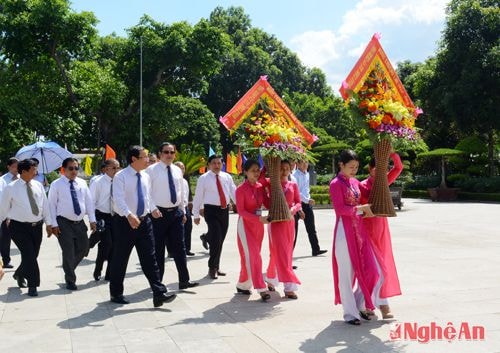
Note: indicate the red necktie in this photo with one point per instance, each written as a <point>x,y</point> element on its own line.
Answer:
<point>223,202</point>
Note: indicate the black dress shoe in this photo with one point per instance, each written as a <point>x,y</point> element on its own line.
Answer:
<point>97,276</point>
<point>220,273</point>
<point>158,300</point>
<point>319,252</point>
<point>204,241</point>
<point>21,282</point>
<point>71,286</point>
<point>212,273</point>
<point>186,285</point>
<point>9,265</point>
<point>32,292</point>
<point>243,291</point>
<point>119,300</point>
<point>294,267</point>
<point>189,253</point>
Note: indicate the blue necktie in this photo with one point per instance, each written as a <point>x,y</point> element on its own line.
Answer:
<point>171,186</point>
<point>140,196</point>
<point>74,198</point>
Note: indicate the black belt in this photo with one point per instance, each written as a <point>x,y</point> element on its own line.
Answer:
<point>70,221</point>
<point>104,214</point>
<point>32,224</point>
<point>215,206</point>
<point>168,209</point>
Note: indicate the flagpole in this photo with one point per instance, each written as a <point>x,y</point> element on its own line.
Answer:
<point>140,99</point>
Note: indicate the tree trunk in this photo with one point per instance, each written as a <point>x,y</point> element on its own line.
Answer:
<point>380,196</point>
<point>491,154</point>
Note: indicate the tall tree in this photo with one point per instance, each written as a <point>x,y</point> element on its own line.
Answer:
<point>464,86</point>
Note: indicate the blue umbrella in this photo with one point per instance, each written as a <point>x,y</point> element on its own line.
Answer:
<point>49,154</point>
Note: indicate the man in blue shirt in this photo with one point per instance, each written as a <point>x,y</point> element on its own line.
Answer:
<point>302,177</point>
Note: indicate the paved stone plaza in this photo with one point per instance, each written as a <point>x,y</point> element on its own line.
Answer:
<point>448,257</point>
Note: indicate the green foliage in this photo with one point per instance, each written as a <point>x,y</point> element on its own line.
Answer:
<point>324,179</point>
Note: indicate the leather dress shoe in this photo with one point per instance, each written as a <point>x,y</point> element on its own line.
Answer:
<point>319,252</point>
<point>71,286</point>
<point>21,282</point>
<point>158,300</point>
<point>32,292</point>
<point>119,300</point>
<point>243,291</point>
<point>204,240</point>
<point>189,253</point>
<point>9,265</point>
<point>220,273</point>
<point>212,273</point>
<point>354,322</point>
<point>294,267</point>
<point>186,285</point>
<point>97,276</point>
<point>291,295</point>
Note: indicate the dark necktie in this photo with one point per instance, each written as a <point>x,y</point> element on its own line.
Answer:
<point>222,197</point>
<point>171,186</point>
<point>74,198</point>
<point>140,196</point>
<point>31,198</point>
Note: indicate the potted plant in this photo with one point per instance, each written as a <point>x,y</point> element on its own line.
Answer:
<point>442,192</point>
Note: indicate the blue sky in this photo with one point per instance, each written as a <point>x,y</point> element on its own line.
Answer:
<point>329,34</point>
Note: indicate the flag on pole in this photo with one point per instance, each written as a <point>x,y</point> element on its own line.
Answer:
<point>87,165</point>
<point>109,152</point>
<point>229,163</point>
<point>211,152</point>
<point>239,162</point>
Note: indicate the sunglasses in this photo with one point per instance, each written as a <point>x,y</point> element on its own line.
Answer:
<point>72,168</point>
<point>168,152</point>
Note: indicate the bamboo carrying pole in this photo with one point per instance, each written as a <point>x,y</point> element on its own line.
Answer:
<point>278,210</point>
<point>380,195</point>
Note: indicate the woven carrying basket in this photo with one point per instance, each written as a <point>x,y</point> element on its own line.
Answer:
<point>380,196</point>
<point>278,210</point>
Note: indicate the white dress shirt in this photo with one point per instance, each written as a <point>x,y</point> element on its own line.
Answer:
<point>160,191</point>
<point>61,204</point>
<point>207,193</point>
<point>186,194</point>
<point>125,192</point>
<point>302,180</point>
<point>9,177</point>
<point>15,204</point>
<point>100,190</point>
<point>3,184</point>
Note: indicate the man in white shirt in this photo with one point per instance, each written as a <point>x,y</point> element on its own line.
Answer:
<point>6,234</point>
<point>168,194</point>
<point>214,189</point>
<point>301,175</point>
<point>70,201</point>
<point>24,204</point>
<point>132,227</point>
<point>100,190</point>
<point>188,200</point>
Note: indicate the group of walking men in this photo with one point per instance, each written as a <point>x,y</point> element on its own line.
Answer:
<point>143,206</point>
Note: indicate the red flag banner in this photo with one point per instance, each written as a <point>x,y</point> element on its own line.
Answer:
<point>372,55</point>
<point>262,89</point>
<point>109,152</point>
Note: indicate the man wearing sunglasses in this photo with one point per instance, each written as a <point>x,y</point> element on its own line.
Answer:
<point>168,194</point>
<point>69,202</point>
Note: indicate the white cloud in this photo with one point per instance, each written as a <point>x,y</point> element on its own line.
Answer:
<point>316,48</point>
<point>333,50</point>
